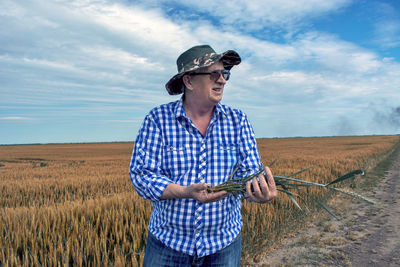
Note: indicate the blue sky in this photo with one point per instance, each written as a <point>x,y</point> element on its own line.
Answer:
<point>89,71</point>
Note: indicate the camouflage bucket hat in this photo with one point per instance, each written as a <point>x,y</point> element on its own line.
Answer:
<point>198,57</point>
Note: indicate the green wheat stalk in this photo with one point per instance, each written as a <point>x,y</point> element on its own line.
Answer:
<point>286,184</point>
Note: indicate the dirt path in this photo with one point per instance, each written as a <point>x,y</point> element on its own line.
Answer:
<point>366,236</point>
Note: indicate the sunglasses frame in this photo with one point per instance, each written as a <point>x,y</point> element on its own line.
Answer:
<point>225,74</point>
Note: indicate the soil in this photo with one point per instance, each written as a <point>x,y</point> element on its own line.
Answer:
<point>366,235</point>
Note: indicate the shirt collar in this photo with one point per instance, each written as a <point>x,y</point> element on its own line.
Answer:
<point>220,109</point>
<point>180,111</point>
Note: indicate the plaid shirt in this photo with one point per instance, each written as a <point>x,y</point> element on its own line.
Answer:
<point>170,149</point>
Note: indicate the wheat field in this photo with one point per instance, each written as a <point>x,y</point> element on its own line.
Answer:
<point>74,204</point>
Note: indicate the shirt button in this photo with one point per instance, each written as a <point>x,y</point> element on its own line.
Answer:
<point>202,161</point>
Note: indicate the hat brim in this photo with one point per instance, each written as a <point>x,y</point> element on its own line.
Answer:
<point>229,59</point>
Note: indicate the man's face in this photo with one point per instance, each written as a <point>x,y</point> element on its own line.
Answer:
<point>205,89</point>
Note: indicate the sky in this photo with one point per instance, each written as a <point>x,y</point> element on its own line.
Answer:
<point>89,71</point>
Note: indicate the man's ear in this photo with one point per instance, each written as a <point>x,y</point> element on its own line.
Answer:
<point>187,82</point>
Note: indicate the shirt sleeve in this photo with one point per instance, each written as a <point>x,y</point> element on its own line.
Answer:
<point>145,171</point>
<point>250,161</point>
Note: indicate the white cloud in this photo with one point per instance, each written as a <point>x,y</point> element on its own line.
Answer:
<point>388,33</point>
<point>43,63</point>
<point>89,59</point>
<point>16,118</point>
<point>334,54</point>
<point>147,28</point>
<point>387,26</point>
<point>121,59</point>
<point>265,13</point>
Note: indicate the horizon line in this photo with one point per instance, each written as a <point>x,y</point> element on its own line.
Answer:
<point>105,142</point>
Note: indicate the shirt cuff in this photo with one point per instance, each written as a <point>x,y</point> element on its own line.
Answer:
<point>158,186</point>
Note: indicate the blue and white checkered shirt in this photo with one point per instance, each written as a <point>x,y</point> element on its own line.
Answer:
<point>170,149</point>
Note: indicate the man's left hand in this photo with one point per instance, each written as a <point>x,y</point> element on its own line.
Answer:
<point>264,189</point>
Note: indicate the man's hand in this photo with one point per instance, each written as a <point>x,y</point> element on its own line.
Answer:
<point>194,191</point>
<point>264,190</point>
<point>199,192</point>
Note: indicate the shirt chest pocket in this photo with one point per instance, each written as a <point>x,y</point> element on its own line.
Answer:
<point>227,154</point>
<point>177,161</point>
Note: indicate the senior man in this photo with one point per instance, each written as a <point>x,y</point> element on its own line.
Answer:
<point>184,147</point>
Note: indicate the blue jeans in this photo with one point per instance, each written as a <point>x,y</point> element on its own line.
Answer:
<point>159,255</point>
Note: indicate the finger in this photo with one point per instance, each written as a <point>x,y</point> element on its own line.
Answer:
<point>215,194</point>
<point>199,187</point>
<point>273,193</point>
<point>220,194</point>
<point>256,188</point>
<point>263,185</point>
<point>212,197</point>
<point>249,192</point>
<point>265,192</point>
<point>270,179</point>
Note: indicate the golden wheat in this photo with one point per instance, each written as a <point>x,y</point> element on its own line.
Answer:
<point>74,203</point>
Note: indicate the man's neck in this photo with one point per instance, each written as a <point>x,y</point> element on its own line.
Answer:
<point>195,110</point>
<point>199,114</point>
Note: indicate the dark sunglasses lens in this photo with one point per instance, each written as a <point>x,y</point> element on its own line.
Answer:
<point>216,74</point>
<point>226,74</point>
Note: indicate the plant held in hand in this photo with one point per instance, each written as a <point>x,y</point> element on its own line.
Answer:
<point>288,184</point>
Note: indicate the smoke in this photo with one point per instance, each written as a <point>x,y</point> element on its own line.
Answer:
<point>380,119</point>
<point>344,126</point>
<point>388,120</point>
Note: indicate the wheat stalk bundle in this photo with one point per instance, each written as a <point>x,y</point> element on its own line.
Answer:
<point>287,184</point>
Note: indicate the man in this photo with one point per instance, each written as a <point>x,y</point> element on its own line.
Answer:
<point>184,147</point>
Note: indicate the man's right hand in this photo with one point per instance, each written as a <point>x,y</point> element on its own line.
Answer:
<point>199,192</point>
<point>193,191</point>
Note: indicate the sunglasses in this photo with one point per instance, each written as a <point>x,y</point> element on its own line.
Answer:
<point>214,75</point>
